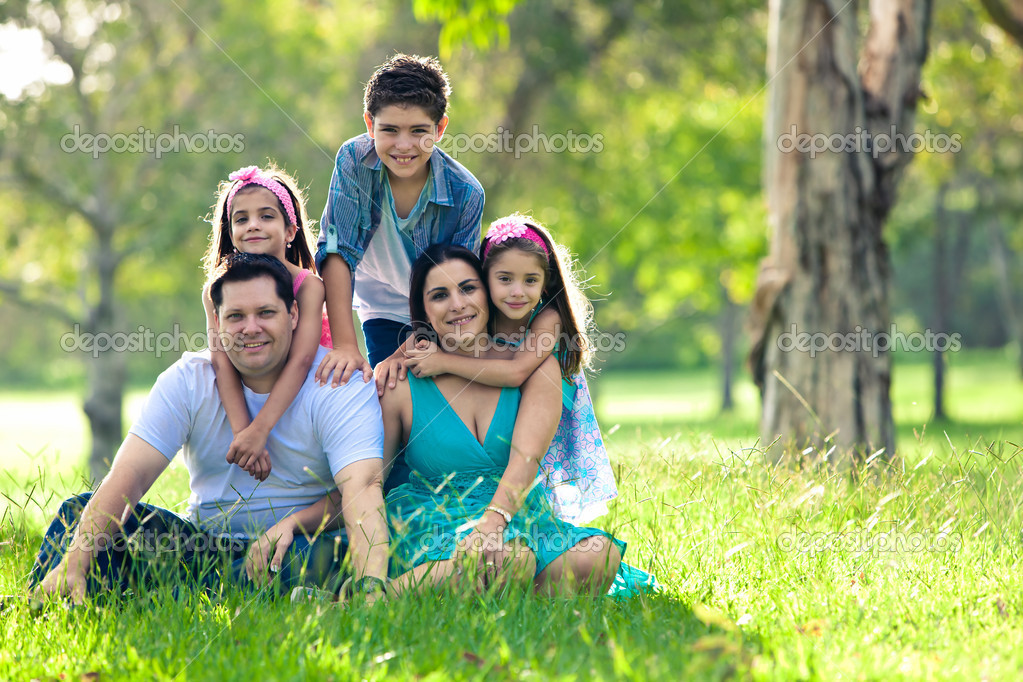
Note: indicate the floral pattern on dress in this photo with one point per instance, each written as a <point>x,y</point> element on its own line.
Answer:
<point>576,471</point>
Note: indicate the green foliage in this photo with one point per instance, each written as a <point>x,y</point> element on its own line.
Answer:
<point>971,85</point>
<point>660,197</point>
<point>479,22</point>
<point>681,222</point>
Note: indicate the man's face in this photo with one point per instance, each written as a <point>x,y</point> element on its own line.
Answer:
<point>256,329</point>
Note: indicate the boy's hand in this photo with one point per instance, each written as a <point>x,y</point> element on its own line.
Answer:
<point>248,450</point>
<point>343,361</point>
<point>426,360</point>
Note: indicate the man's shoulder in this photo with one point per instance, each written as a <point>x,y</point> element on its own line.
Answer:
<point>355,391</point>
<point>191,373</point>
<point>191,363</point>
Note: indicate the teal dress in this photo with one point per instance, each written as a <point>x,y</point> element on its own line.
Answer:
<point>454,478</point>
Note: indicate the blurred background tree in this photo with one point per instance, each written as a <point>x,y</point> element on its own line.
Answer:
<point>663,208</point>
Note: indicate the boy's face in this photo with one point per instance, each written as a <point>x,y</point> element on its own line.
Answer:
<point>404,138</point>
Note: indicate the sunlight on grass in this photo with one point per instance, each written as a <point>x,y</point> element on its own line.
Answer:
<point>770,571</point>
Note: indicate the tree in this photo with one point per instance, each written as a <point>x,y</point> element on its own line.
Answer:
<point>1008,16</point>
<point>827,276</point>
<point>116,167</point>
<point>54,148</point>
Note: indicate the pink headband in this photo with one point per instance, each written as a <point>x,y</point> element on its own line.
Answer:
<point>507,228</point>
<point>252,175</point>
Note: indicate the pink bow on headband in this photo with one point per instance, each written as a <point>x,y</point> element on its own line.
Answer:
<point>252,175</point>
<point>512,227</point>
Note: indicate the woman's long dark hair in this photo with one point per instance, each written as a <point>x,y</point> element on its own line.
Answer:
<point>436,255</point>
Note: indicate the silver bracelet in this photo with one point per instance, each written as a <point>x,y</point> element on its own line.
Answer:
<point>497,510</point>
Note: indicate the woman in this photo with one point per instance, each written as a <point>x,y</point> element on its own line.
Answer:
<point>471,511</point>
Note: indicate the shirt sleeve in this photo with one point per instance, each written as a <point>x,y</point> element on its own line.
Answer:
<point>165,421</point>
<point>469,232</point>
<point>350,423</point>
<point>339,225</point>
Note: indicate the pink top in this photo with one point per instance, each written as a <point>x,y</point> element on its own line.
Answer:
<point>325,340</point>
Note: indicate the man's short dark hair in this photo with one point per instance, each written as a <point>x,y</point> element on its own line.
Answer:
<point>244,267</point>
<point>409,80</point>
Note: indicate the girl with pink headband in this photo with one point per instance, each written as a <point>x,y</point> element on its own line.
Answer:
<point>263,211</point>
<point>539,307</point>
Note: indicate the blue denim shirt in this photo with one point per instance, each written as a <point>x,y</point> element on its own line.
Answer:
<point>356,195</point>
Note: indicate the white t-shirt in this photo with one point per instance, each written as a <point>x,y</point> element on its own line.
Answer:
<point>324,430</point>
<point>382,278</point>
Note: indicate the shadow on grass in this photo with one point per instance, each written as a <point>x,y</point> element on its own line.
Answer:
<point>456,635</point>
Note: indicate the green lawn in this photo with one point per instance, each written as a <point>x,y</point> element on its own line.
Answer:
<point>770,572</point>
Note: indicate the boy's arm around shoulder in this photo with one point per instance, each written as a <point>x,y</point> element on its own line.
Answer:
<point>349,190</point>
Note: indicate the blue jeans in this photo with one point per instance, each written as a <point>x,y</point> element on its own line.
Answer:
<point>157,546</point>
<point>383,337</point>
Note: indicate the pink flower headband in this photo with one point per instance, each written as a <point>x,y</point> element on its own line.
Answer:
<point>507,228</point>
<point>252,175</point>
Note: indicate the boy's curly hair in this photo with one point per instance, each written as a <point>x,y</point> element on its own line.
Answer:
<point>409,80</point>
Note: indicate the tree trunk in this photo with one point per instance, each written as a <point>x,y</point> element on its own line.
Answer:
<point>941,296</point>
<point>821,304</point>
<point>1008,15</point>
<point>108,365</point>
<point>729,313</point>
<point>103,407</point>
<point>1000,255</point>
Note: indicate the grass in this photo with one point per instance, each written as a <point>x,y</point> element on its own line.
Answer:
<point>770,572</point>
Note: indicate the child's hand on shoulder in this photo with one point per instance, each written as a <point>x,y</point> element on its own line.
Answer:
<point>425,360</point>
<point>342,361</point>
<point>248,451</point>
<point>389,372</point>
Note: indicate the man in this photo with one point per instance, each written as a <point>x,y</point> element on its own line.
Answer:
<point>326,434</point>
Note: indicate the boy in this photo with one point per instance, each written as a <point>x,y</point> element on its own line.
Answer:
<point>392,195</point>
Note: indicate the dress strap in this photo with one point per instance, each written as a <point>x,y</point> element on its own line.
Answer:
<point>299,278</point>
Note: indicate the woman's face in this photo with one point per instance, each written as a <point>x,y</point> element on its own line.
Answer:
<point>456,304</point>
